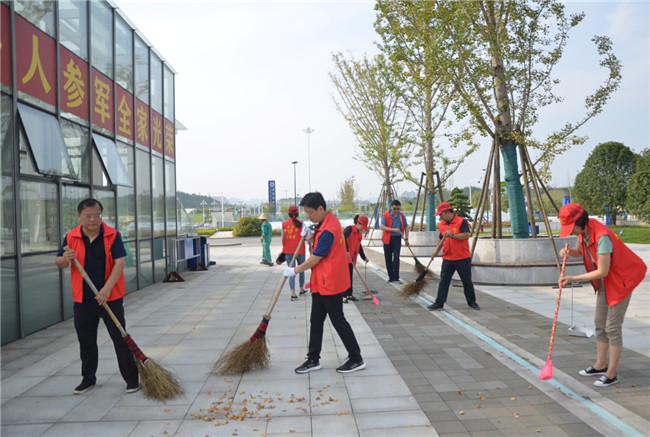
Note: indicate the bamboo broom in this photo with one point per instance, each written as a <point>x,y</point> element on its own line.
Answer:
<point>157,383</point>
<point>414,288</point>
<point>253,353</point>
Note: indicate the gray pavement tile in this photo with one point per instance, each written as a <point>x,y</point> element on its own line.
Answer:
<point>90,429</point>
<point>24,430</point>
<point>338,425</point>
<point>37,409</point>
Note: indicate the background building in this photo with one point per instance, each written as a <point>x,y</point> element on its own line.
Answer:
<point>87,110</point>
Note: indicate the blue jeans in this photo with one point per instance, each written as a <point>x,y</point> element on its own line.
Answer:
<point>292,280</point>
<point>391,256</point>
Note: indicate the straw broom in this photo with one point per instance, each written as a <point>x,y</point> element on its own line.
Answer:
<point>414,288</point>
<point>419,267</point>
<point>157,383</point>
<point>253,353</point>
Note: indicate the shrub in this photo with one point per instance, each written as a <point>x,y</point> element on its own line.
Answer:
<point>247,227</point>
<point>205,232</point>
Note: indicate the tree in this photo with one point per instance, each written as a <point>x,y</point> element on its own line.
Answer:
<point>638,190</point>
<point>499,55</point>
<point>460,203</point>
<point>601,186</point>
<point>347,193</point>
<point>375,113</point>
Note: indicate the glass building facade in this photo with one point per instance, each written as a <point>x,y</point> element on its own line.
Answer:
<point>87,110</point>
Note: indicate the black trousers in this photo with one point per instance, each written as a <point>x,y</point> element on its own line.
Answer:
<point>86,323</point>
<point>349,291</point>
<point>391,256</point>
<point>464,269</point>
<point>332,306</point>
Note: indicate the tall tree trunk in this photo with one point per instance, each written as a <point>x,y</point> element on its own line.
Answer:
<point>516,203</point>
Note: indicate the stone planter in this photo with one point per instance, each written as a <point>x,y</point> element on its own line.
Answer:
<point>422,243</point>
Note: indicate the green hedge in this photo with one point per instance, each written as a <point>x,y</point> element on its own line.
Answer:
<point>247,227</point>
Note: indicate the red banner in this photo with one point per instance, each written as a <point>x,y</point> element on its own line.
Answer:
<point>102,104</point>
<point>156,132</point>
<point>74,88</point>
<point>124,112</point>
<point>5,47</point>
<point>170,139</point>
<point>36,62</point>
<point>142,123</point>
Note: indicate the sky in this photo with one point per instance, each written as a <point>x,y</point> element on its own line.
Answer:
<point>252,76</point>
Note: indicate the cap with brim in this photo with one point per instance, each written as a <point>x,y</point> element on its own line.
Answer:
<point>363,221</point>
<point>442,207</point>
<point>293,209</point>
<point>568,214</point>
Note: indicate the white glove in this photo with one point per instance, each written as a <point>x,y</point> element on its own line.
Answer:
<point>290,272</point>
<point>306,232</point>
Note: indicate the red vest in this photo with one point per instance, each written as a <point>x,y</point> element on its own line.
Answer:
<point>385,237</point>
<point>330,276</point>
<point>75,242</point>
<point>354,242</point>
<point>453,250</point>
<point>291,238</point>
<point>626,269</point>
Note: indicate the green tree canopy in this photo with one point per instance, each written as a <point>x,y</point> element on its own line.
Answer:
<point>638,190</point>
<point>347,193</point>
<point>601,186</point>
<point>460,202</point>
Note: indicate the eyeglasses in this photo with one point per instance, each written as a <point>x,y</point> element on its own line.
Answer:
<point>92,216</point>
<point>396,208</point>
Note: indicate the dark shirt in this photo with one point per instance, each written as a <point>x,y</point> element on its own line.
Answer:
<point>95,263</point>
<point>325,241</point>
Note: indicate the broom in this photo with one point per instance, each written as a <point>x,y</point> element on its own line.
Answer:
<point>253,353</point>
<point>419,267</point>
<point>414,288</point>
<point>157,383</point>
<point>547,371</point>
<point>374,298</point>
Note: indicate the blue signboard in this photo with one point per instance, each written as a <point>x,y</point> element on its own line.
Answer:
<point>272,196</point>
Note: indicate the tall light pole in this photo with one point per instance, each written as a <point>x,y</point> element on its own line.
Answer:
<point>214,203</point>
<point>203,203</point>
<point>308,131</point>
<point>295,197</point>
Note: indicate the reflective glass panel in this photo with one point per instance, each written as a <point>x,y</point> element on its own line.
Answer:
<point>158,197</point>
<point>169,94</point>
<point>41,296</point>
<point>76,141</point>
<point>72,195</point>
<point>73,26</point>
<point>156,83</point>
<point>9,302</point>
<point>143,193</point>
<point>123,54</point>
<point>38,12</point>
<point>112,161</point>
<point>7,227</point>
<point>159,264</point>
<point>101,26</point>
<point>107,198</point>
<point>146,265</point>
<point>39,227</point>
<point>170,196</point>
<point>141,70</point>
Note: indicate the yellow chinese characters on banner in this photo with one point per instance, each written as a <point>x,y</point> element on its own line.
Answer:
<point>35,61</point>
<point>73,86</point>
<point>142,123</point>
<point>156,132</point>
<point>124,115</point>
<point>102,103</point>
<point>170,139</point>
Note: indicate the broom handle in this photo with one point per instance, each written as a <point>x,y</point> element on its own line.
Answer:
<point>284,279</point>
<point>434,253</point>
<point>364,282</point>
<point>94,289</point>
<point>557,305</point>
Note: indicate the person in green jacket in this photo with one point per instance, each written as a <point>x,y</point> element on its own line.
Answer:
<point>267,234</point>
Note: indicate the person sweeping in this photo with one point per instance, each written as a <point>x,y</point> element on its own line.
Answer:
<point>614,271</point>
<point>267,235</point>
<point>353,238</point>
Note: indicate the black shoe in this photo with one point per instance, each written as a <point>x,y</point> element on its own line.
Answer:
<point>590,371</point>
<point>604,381</point>
<point>345,300</point>
<point>83,387</point>
<point>132,387</point>
<point>435,306</point>
<point>294,298</point>
<point>353,299</point>
<point>302,292</point>
<point>351,366</point>
<point>475,306</point>
<point>308,366</point>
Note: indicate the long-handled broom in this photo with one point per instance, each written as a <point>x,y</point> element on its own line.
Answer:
<point>547,370</point>
<point>419,267</point>
<point>374,298</point>
<point>414,288</point>
<point>157,383</point>
<point>253,353</point>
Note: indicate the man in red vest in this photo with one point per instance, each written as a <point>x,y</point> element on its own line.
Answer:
<point>329,282</point>
<point>456,256</point>
<point>614,271</point>
<point>395,226</point>
<point>100,251</point>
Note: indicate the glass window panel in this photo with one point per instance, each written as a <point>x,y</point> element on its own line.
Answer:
<point>99,176</point>
<point>46,142</point>
<point>26,162</point>
<point>39,213</point>
<point>146,266</point>
<point>73,26</point>
<point>76,141</point>
<point>130,268</point>
<point>169,94</point>
<point>158,197</point>
<point>126,195</point>
<point>112,162</point>
<point>156,83</point>
<point>160,262</point>
<point>38,12</point>
<point>123,54</point>
<point>170,196</point>
<point>9,302</point>
<point>7,246</point>
<point>72,195</point>
<point>107,198</point>
<point>41,296</point>
<point>101,40</point>
<point>141,70</point>
<point>143,193</point>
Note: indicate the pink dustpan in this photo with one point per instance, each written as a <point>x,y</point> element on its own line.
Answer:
<point>547,370</point>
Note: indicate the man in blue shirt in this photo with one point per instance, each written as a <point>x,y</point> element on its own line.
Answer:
<point>394,225</point>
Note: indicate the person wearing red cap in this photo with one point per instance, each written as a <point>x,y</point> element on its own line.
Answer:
<point>353,238</point>
<point>614,271</point>
<point>395,226</point>
<point>456,256</point>
<point>290,236</point>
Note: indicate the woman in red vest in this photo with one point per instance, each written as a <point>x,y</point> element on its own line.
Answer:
<point>353,238</point>
<point>614,271</point>
<point>328,263</point>
<point>291,230</point>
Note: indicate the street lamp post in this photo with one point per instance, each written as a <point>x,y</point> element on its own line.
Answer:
<point>295,198</point>
<point>222,223</point>
<point>214,204</point>
<point>308,131</point>
<point>203,203</point>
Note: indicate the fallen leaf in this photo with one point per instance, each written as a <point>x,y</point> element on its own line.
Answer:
<point>512,398</point>
<point>516,414</point>
<point>461,412</point>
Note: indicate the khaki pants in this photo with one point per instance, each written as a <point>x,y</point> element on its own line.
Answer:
<point>609,319</point>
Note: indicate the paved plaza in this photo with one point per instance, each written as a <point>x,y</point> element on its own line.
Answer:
<point>457,372</point>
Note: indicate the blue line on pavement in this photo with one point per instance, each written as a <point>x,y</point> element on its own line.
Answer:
<point>609,417</point>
